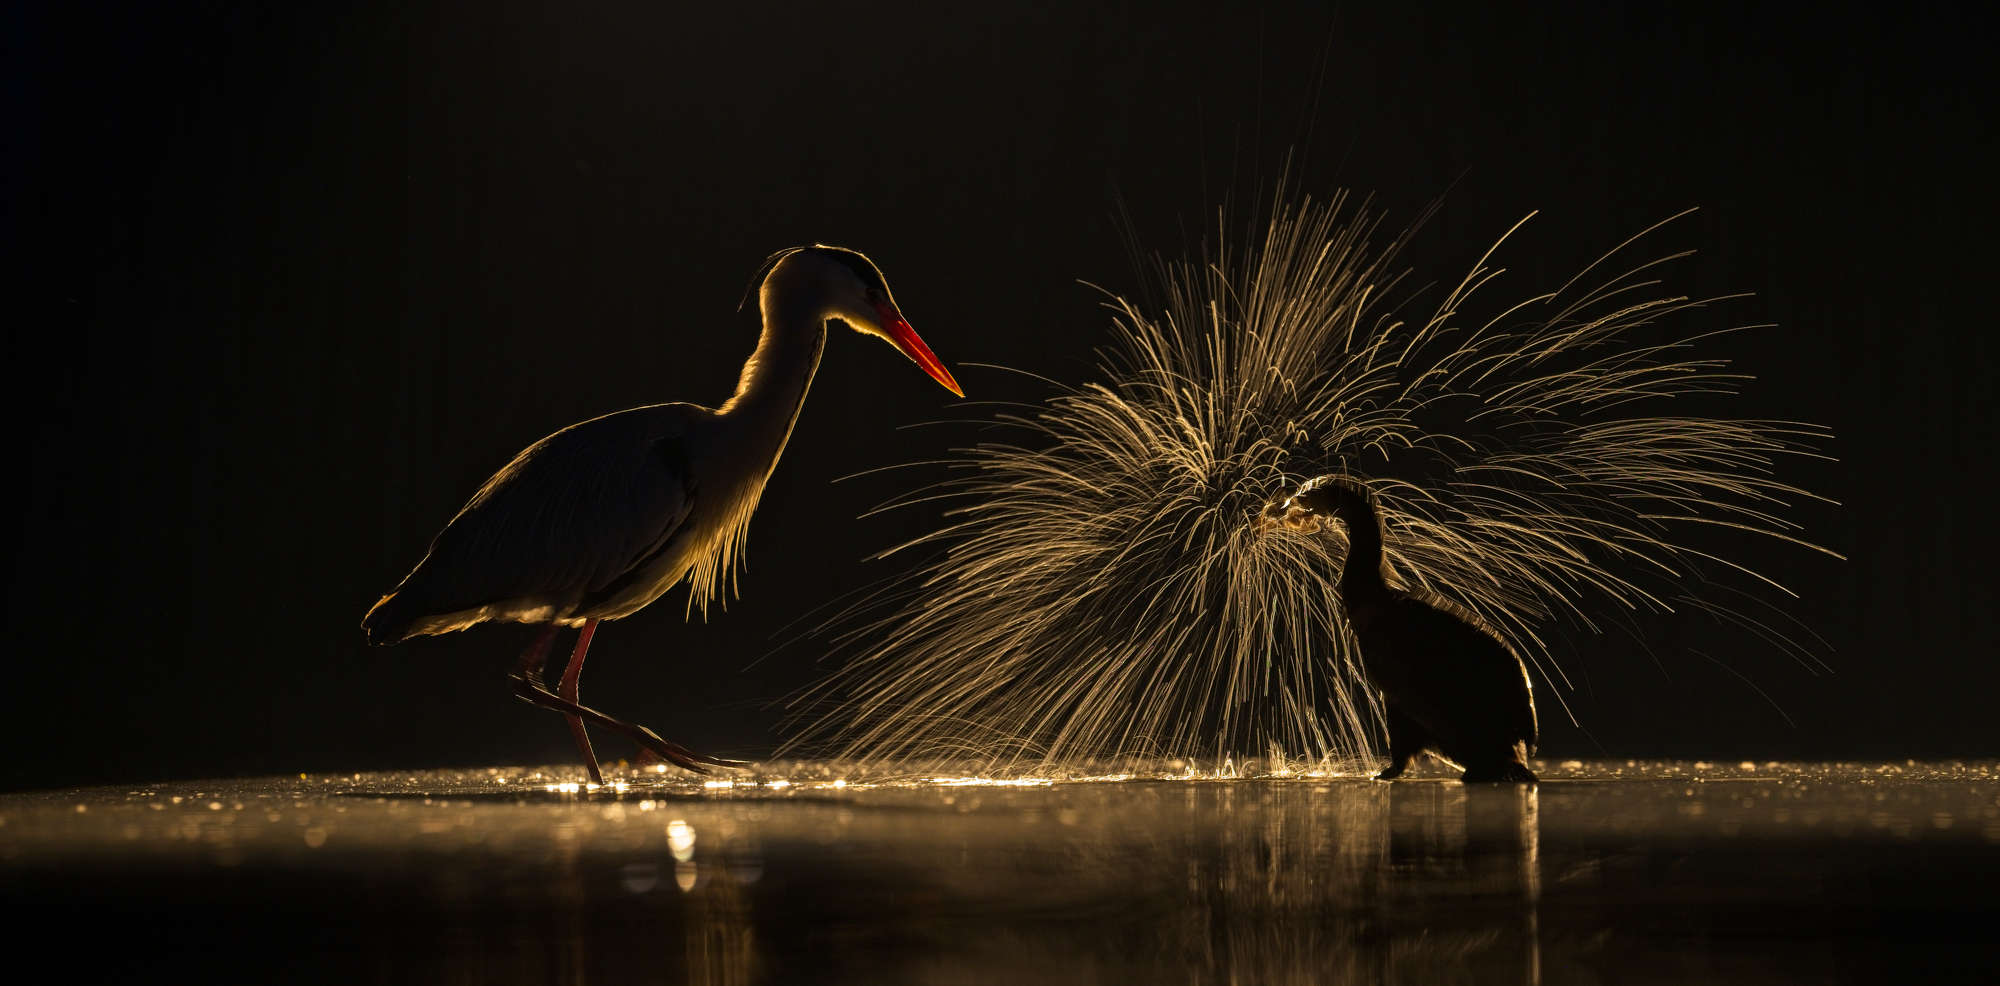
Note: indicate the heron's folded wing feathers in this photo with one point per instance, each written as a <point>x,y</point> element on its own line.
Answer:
<point>569,515</point>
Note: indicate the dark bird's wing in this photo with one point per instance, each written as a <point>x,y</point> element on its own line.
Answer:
<point>571,515</point>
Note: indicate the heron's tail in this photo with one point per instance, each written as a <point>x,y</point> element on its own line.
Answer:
<point>388,621</point>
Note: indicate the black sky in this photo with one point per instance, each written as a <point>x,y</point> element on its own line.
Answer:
<point>295,280</point>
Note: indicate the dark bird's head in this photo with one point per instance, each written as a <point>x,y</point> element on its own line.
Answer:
<point>1333,495</point>
<point>844,285</point>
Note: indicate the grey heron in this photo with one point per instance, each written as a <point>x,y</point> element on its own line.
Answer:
<point>601,518</point>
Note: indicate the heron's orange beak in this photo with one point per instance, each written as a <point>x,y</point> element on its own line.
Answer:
<point>905,339</point>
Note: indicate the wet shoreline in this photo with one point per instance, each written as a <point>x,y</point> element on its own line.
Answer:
<point>1610,871</point>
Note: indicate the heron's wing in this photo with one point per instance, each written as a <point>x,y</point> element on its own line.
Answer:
<point>571,514</point>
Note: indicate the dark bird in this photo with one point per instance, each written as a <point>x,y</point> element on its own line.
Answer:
<point>603,517</point>
<point>1451,686</point>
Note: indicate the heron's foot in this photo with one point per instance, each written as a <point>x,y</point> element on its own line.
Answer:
<point>678,755</point>
<point>1392,771</point>
<point>528,686</point>
<point>648,758</point>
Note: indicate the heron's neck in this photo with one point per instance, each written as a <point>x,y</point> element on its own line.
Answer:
<point>775,377</point>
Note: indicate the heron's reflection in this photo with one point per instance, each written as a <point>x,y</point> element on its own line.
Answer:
<point>721,927</point>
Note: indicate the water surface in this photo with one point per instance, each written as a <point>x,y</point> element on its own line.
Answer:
<point>1610,871</point>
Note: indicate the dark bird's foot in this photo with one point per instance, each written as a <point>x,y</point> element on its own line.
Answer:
<point>1392,771</point>
<point>1505,773</point>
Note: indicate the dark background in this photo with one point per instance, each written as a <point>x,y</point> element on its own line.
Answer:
<point>294,281</point>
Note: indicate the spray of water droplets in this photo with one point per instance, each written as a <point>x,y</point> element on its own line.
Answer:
<point>1098,588</point>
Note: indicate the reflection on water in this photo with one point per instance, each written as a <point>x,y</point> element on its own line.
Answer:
<point>1609,872</point>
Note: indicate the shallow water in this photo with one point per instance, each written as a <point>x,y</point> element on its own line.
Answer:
<point>1610,871</point>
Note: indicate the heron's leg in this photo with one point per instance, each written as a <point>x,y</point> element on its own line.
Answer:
<point>536,656</point>
<point>528,671</point>
<point>568,693</point>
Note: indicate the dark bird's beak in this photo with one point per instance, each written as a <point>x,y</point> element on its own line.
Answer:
<point>905,338</point>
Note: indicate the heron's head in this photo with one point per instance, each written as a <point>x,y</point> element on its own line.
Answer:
<point>847,286</point>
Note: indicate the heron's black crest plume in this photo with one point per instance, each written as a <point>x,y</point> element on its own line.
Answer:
<point>763,270</point>
<point>1098,586</point>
